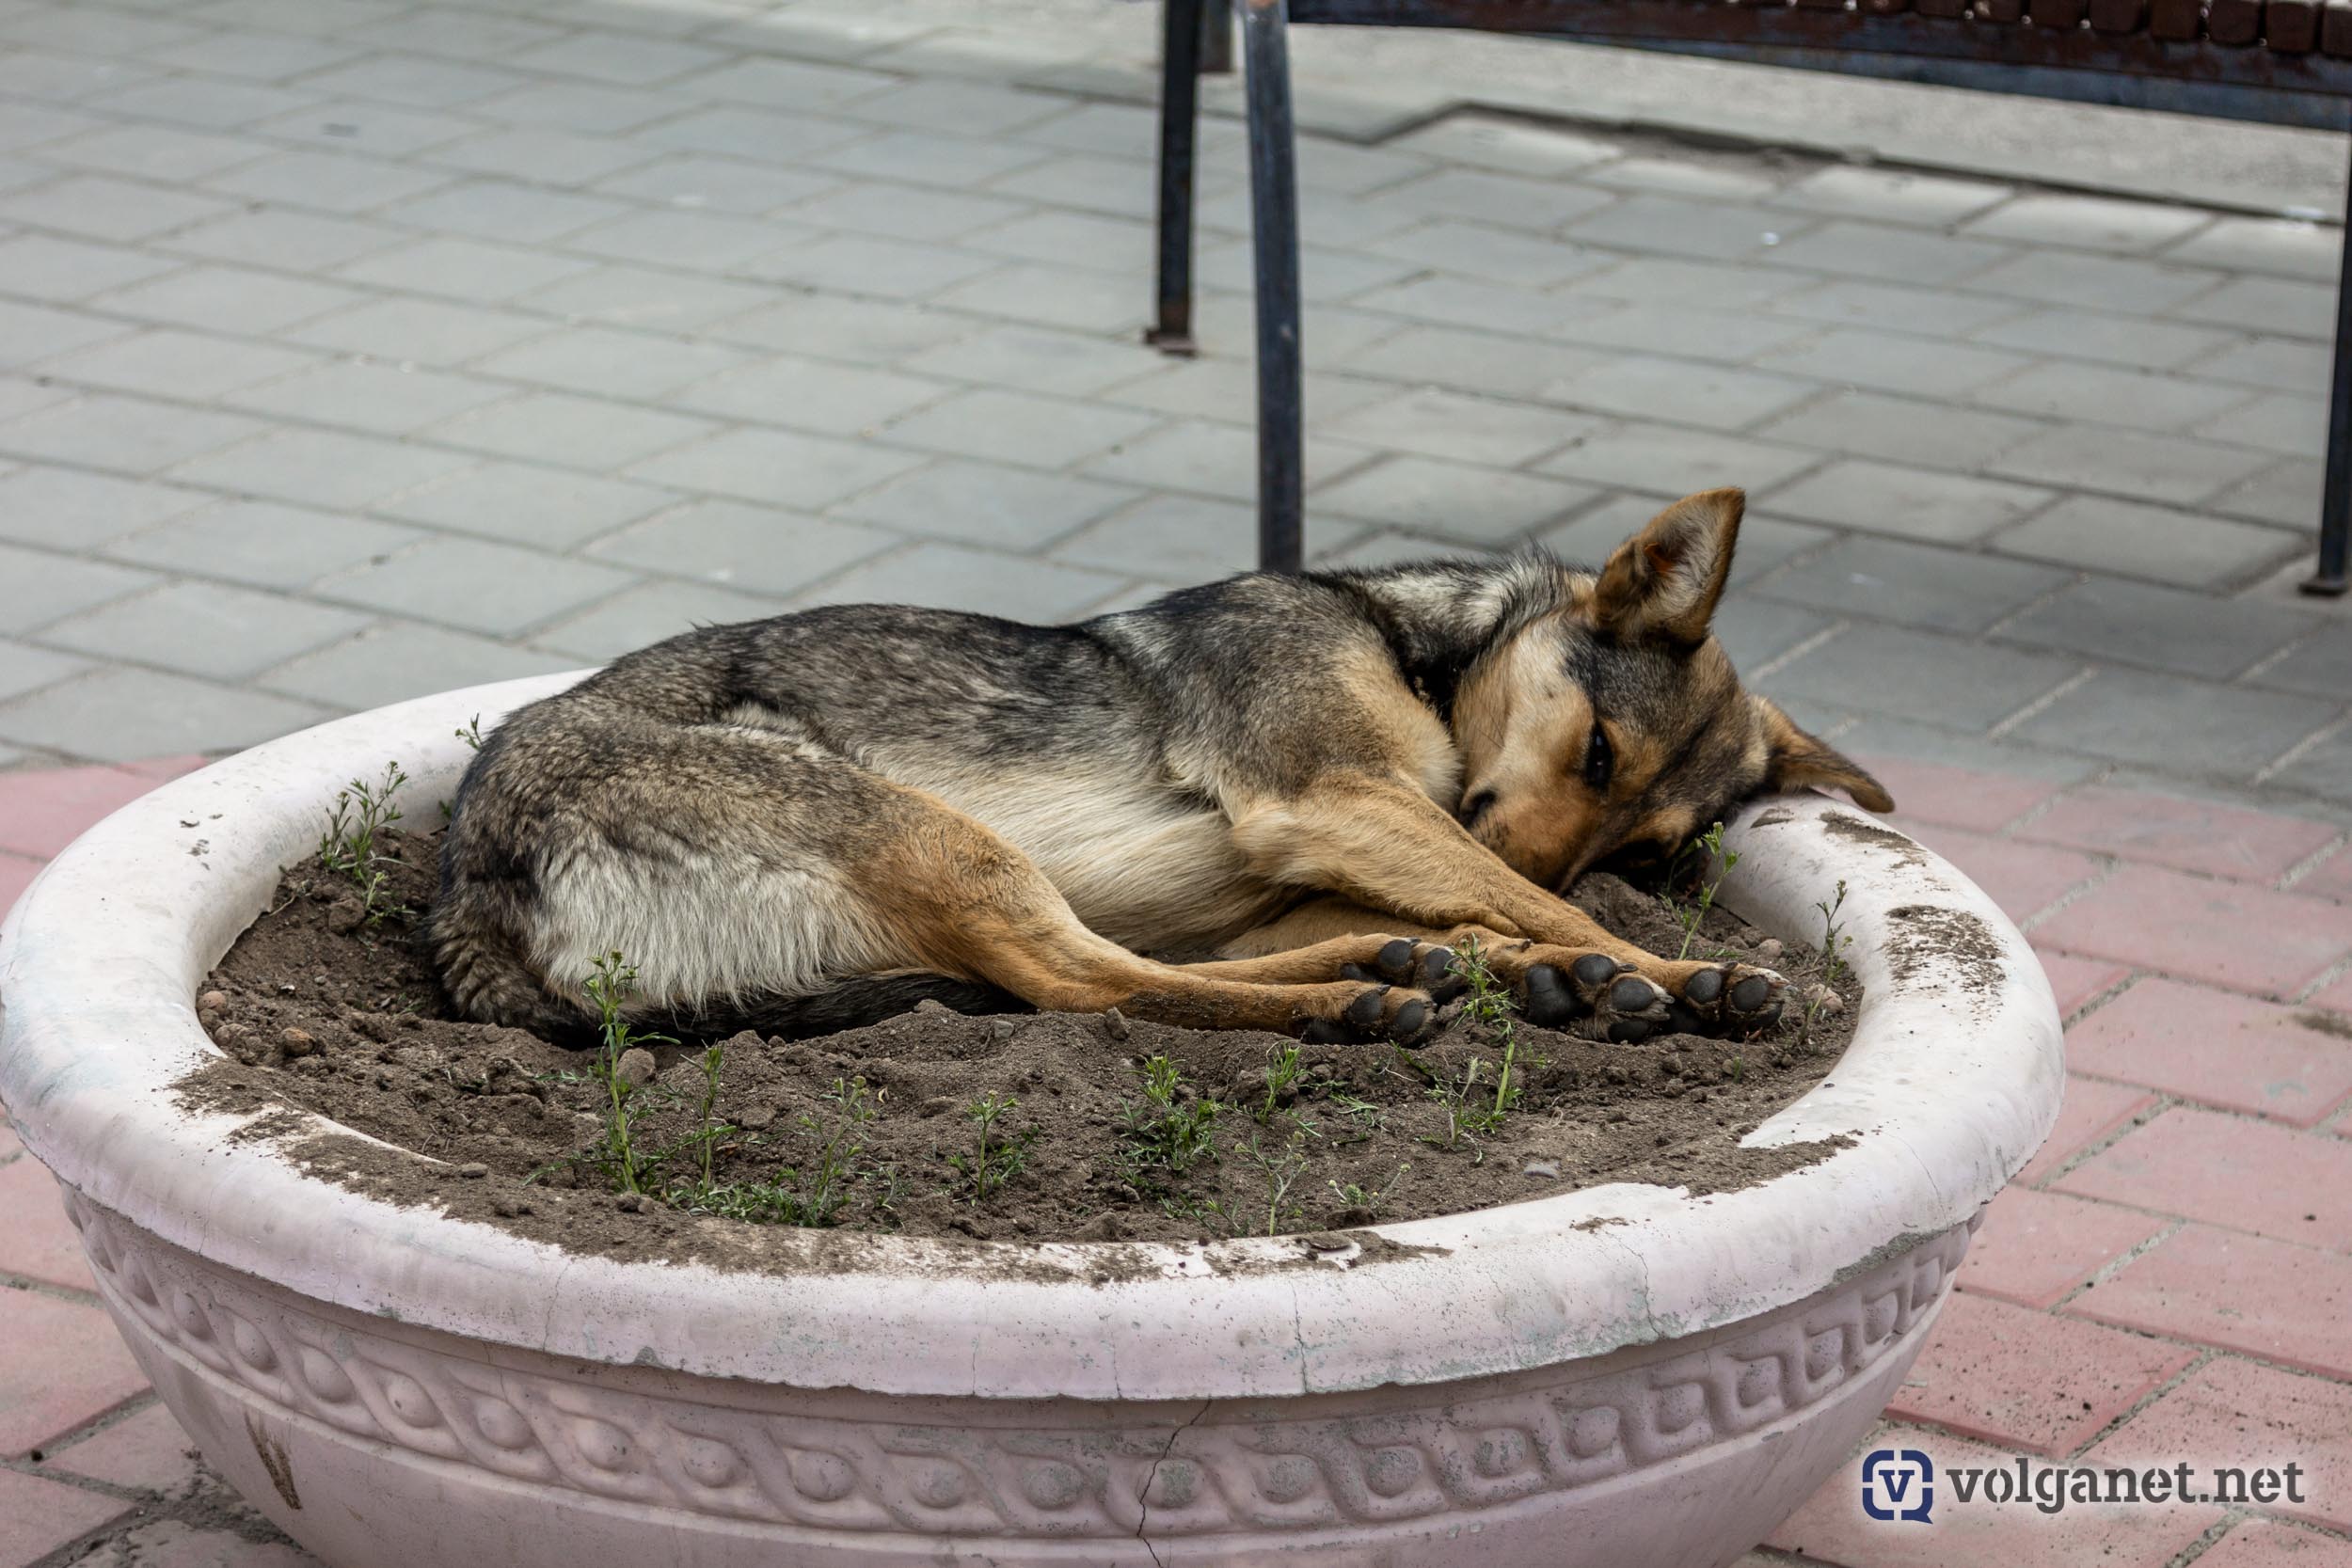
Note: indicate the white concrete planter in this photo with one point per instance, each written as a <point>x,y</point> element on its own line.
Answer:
<point>1617,1376</point>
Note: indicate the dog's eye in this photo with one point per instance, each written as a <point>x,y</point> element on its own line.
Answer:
<point>1599,761</point>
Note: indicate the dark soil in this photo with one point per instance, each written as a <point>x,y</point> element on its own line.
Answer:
<point>319,1008</point>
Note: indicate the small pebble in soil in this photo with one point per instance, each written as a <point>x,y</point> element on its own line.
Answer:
<point>1001,1030</point>
<point>211,1002</point>
<point>507,1207</point>
<point>637,1066</point>
<point>1548,1169</point>
<point>297,1042</point>
<point>473,1170</point>
<point>629,1203</point>
<point>1767,952</point>
<point>938,1106</point>
<point>934,1006</point>
<point>1114,1024</point>
<point>1828,1001</point>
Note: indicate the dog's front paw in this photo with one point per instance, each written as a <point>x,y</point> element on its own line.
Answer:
<point>1425,966</point>
<point>1379,1011</point>
<point>1728,999</point>
<point>1596,996</point>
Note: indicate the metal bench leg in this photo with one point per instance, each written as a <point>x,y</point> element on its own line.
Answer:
<point>1180,110</point>
<point>1274,207</point>
<point>1216,39</point>
<point>2335,500</point>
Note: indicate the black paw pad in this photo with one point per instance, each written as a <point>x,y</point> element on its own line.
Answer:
<point>1411,1019</point>
<point>1593,970</point>
<point>1549,1000</point>
<point>1628,1031</point>
<point>1751,993</point>
<point>1322,1030</point>
<point>1631,995</point>
<point>1704,987</point>
<point>1680,1020</point>
<point>1357,971</point>
<point>1396,955</point>
<point>1364,1012</point>
<point>1435,973</point>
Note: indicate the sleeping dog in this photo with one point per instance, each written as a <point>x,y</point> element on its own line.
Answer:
<point>1309,787</point>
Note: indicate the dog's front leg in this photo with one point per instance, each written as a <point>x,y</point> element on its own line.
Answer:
<point>1387,846</point>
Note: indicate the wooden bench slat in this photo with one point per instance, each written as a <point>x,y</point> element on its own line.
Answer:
<point>2291,27</point>
<point>2235,22</point>
<point>2000,10</point>
<point>2176,21</point>
<point>1942,8</point>
<point>2122,16</point>
<point>2057,13</point>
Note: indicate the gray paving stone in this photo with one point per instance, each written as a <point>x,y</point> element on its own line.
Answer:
<point>2175,724</point>
<point>351,124</point>
<point>1048,296</point>
<point>1714,292</point>
<point>1881,251</point>
<point>1387,548</point>
<point>872,266</point>
<point>1195,456</point>
<point>654,301</point>
<point>2108,535</point>
<point>1912,674</point>
<point>1914,585</point>
<point>565,105</point>
<point>44,586</point>
<point>1506,201</point>
<point>1756,631</point>
<point>528,505</point>
<point>43,266</point>
<point>1438,423</point>
<point>1451,500</point>
<point>698,183</point>
<point>1497,255</point>
<point>1482,362</point>
<point>261,543</point>
<point>321,467</point>
<point>1874,737</point>
<point>2283,364</point>
<point>1710,230</point>
<point>2286,491</point>
<point>463,269</point>
<point>325,181</point>
<point>1071,364</point>
<point>503,211</point>
<point>1225,390</point>
<point>813,394</point>
<point>1514,146</point>
<point>762,134</point>
<point>957,577</point>
<point>1667,327</point>
<point>777,468</point>
<point>66,510</point>
<point>1668,459</point>
<point>1017,427</point>
<point>23,668</point>
<point>385,399</point>
<point>1893,363</point>
<point>101,207</point>
<point>259,56</point>
<point>1881,497</point>
<point>624,58</point>
<point>2113,283</point>
<point>1944,312</point>
<point>2321,665</point>
<point>1124,188</point>
<point>2127,462</point>
<point>768,79</point>
<point>393,662</point>
<point>2297,426</point>
<point>1901,430</point>
<point>952,107</point>
<point>2290,247</point>
<point>426,331</point>
<point>167,362</point>
<point>645,615</point>
<point>1890,195</point>
<point>1646,386</point>
<point>2166,628</point>
<point>227,299</point>
<point>415,81</point>
<point>1493,307</point>
<point>754,549</point>
<point>203,628</point>
<point>1726,176</point>
<point>902,212</point>
<point>2325,769</point>
<point>607,362</point>
<point>863,331</point>
<point>2287,306</point>
<point>165,152</point>
<point>1071,239</point>
<point>471,583</point>
<point>1187,539</point>
<point>282,240</point>
<point>2079,333</point>
<point>987,503</point>
<point>2087,223</point>
<point>695,240</point>
<point>121,714</point>
<point>127,434</point>
<point>208,102</point>
<point>2100,394</point>
<point>570,432</point>
<point>31,333</point>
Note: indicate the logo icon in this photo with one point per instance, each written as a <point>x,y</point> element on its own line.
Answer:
<point>1897,1483</point>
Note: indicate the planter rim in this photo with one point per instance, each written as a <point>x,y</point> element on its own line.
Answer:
<point>1950,1084</point>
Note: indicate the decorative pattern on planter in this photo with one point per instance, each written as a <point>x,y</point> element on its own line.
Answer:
<point>795,1459</point>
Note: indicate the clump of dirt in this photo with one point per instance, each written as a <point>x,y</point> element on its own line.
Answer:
<point>1104,1129</point>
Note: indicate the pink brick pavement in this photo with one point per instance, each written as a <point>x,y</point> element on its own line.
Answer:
<point>2169,1278</point>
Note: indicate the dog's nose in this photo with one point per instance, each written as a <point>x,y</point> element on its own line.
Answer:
<point>1477,806</point>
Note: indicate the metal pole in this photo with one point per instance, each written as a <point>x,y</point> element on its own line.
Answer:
<point>2335,498</point>
<point>1180,109</point>
<point>1274,204</point>
<point>1217,38</point>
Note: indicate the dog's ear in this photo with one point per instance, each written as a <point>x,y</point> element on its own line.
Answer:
<point>1794,760</point>
<point>1663,582</point>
